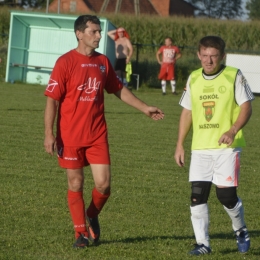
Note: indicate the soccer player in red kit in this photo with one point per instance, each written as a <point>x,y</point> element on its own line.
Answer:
<point>75,93</point>
<point>170,54</point>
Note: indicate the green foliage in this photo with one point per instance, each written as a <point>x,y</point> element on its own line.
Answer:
<point>188,31</point>
<point>147,215</point>
<point>253,6</point>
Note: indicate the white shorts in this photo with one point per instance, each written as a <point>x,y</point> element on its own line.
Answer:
<point>221,169</point>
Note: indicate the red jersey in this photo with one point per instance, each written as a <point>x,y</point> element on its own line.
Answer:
<point>78,82</point>
<point>169,53</point>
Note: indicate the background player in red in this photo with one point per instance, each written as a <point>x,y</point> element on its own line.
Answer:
<point>75,93</point>
<point>170,54</point>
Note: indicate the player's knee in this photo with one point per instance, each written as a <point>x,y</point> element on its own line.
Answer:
<point>227,196</point>
<point>103,189</point>
<point>200,192</point>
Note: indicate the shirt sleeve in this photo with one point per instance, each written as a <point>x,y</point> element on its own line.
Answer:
<point>57,83</point>
<point>185,100</point>
<point>113,84</point>
<point>243,92</point>
<point>161,49</point>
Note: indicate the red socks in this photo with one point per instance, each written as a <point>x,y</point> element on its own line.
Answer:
<point>77,211</point>
<point>97,203</point>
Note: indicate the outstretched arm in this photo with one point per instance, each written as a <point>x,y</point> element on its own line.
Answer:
<point>243,117</point>
<point>130,51</point>
<point>112,34</point>
<point>49,117</point>
<point>184,128</point>
<point>129,98</point>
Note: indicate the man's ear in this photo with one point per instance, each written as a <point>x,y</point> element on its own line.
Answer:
<point>198,54</point>
<point>79,35</point>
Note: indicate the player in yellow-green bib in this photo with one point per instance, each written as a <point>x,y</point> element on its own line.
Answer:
<point>217,105</point>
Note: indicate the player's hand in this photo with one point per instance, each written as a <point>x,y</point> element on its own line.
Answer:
<point>155,113</point>
<point>179,155</point>
<point>227,138</point>
<point>50,144</point>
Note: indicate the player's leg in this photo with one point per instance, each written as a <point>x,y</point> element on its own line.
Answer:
<point>99,159</point>
<point>162,76</point>
<point>77,206</point>
<point>200,177</point>
<point>200,213</point>
<point>171,78</point>
<point>173,85</point>
<point>163,85</point>
<point>100,194</point>
<point>75,177</point>
<point>227,174</point>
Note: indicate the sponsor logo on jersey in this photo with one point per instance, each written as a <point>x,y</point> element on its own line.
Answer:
<point>208,126</point>
<point>222,89</point>
<point>89,65</point>
<point>102,68</point>
<point>206,97</point>
<point>51,85</point>
<point>70,158</point>
<point>90,88</point>
<point>209,109</point>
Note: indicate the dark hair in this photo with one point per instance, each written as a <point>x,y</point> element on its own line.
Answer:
<point>170,38</point>
<point>214,42</point>
<point>81,22</point>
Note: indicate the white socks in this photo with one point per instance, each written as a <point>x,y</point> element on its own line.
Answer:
<point>200,220</point>
<point>173,83</point>
<point>237,215</point>
<point>163,83</point>
<point>200,223</point>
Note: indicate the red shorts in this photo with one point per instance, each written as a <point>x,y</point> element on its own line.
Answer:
<point>167,71</point>
<point>78,157</point>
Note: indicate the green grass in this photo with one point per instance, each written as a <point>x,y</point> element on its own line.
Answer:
<point>147,215</point>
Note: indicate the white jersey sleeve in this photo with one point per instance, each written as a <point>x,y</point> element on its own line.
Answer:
<point>243,92</point>
<point>185,100</point>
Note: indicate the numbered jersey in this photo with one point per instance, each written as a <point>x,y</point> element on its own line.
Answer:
<point>169,53</point>
<point>78,83</point>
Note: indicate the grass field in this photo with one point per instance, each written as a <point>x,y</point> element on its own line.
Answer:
<point>147,215</point>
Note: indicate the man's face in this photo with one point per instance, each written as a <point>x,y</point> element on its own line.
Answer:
<point>168,42</point>
<point>120,34</point>
<point>91,36</point>
<point>210,59</point>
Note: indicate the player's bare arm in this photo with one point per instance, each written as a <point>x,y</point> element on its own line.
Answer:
<point>130,51</point>
<point>178,56</point>
<point>112,34</point>
<point>243,117</point>
<point>129,98</point>
<point>184,128</point>
<point>49,117</point>
<point>158,53</point>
